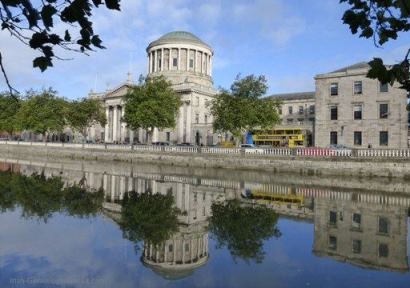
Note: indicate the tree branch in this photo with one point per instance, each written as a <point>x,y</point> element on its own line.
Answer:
<point>12,90</point>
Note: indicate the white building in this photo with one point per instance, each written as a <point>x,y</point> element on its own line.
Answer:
<point>359,112</point>
<point>184,60</point>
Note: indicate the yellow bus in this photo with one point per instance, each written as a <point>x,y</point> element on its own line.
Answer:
<point>283,137</point>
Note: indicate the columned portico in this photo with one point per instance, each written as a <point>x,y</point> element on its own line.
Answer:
<point>186,62</point>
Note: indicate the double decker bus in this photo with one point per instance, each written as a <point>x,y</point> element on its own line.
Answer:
<point>291,137</point>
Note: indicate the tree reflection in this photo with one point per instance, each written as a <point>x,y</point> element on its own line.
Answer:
<point>41,197</point>
<point>149,217</point>
<point>243,229</point>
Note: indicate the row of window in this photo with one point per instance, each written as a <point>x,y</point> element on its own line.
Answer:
<point>358,111</point>
<point>301,110</point>
<point>358,140</point>
<point>197,118</point>
<point>357,246</point>
<point>175,63</point>
<point>357,88</point>
<point>299,121</point>
<point>383,222</point>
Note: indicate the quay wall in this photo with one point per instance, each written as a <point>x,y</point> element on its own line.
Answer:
<point>310,166</point>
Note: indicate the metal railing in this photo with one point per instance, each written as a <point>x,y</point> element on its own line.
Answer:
<point>259,152</point>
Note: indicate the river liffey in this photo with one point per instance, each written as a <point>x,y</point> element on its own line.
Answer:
<point>108,224</point>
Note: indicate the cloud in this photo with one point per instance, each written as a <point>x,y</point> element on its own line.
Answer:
<point>270,19</point>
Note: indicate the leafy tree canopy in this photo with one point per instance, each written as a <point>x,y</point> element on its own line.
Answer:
<point>243,229</point>
<point>42,112</point>
<point>84,113</point>
<point>9,107</point>
<point>381,20</point>
<point>152,104</point>
<point>148,217</point>
<point>242,108</point>
<point>41,197</point>
<point>34,23</point>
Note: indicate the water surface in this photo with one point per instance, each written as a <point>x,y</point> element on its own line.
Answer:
<point>219,229</point>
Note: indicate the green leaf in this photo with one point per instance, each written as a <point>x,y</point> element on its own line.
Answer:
<point>96,41</point>
<point>113,4</point>
<point>42,63</point>
<point>67,36</point>
<point>47,14</point>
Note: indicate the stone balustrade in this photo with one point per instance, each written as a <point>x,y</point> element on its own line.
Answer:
<point>257,152</point>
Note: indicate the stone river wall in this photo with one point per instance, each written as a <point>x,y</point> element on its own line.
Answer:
<point>317,166</point>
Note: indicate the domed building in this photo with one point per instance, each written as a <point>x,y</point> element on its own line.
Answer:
<point>184,60</point>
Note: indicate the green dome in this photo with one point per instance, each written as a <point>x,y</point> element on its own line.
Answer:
<point>178,37</point>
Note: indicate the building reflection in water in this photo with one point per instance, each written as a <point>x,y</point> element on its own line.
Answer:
<point>366,228</point>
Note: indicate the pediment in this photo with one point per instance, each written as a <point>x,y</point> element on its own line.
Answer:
<point>119,91</point>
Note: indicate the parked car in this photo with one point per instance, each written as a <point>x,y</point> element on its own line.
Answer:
<point>159,143</point>
<point>185,144</point>
<point>251,149</point>
<point>338,146</point>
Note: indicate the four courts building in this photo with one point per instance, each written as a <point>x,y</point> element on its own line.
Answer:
<point>185,61</point>
<point>346,108</point>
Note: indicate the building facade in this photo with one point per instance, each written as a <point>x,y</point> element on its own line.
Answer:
<point>297,111</point>
<point>185,61</point>
<point>359,112</point>
<point>368,235</point>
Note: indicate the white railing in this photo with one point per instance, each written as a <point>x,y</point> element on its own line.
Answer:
<point>278,151</point>
<point>282,152</point>
<point>218,150</point>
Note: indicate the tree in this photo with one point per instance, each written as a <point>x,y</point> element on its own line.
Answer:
<point>34,25</point>
<point>381,20</point>
<point>152,104</point>
<point>84,113</point>
<point>9,106</point>
<point>41,197</point>
<point>242,109</point>
<point>243,229</point>
<point>42,112</point>
<point>149,217</point>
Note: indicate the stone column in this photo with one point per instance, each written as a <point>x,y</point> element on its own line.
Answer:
<point>170,59</point>
<point>155,61</point>
<point>180,128</point>
<point>131,136</point>
<point>106,129</point>
<point>187,59</point>
<point>162,59</point>
<point>113,182</point>
<point>149,63</point>
<point>188,122</point>
<point>174,249</point>
<point>130,184</point>
<point>210,65</point>
<point>105,184</point>
<point>183,251</point>
<point>115,120</point>
<point>124,125</point>
<point>179,59</point>
<point>141,135</point>
<point>155,135</point>
<point>204,56</point>
<point>178,198</point>
<point>165,252</point>
<point>186,198</point>
<point>208,60</point>
<point>122,187</point>
<point>195,61</point>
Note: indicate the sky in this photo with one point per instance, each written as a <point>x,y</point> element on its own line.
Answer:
<point>288,41</point>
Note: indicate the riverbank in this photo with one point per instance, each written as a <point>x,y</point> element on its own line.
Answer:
<point>312,166</point>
